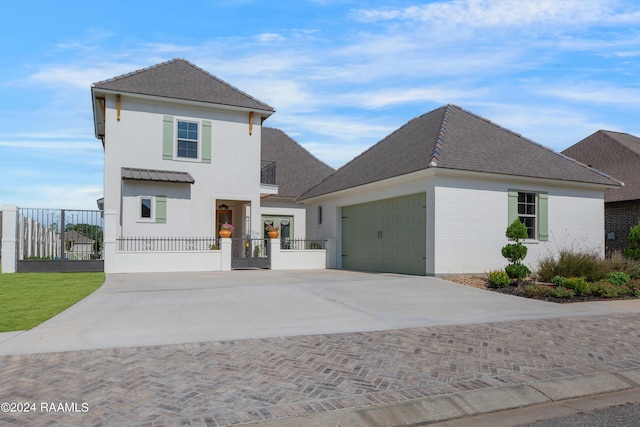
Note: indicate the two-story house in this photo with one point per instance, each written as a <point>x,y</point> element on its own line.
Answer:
<point>183,154</point>
<point>182,151</point>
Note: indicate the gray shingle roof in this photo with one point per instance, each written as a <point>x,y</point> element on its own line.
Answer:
<point>615,153</point>
<point>180,79</point>
<point>452,138</point>
<point>157,175</point>
<point>297,169</point>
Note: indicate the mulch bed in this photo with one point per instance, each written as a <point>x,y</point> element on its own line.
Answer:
<point>480,282</point>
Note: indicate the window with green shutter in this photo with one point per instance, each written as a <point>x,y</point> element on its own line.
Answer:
<point>532,209</point>
<point>167,138</point>
<point>161,209</point>
<point>189,142</point>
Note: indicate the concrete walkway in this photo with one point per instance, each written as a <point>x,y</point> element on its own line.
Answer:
<point>325,348</point>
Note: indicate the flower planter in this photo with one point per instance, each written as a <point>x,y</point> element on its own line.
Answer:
<point>273,234</point>
<point>225,234</point>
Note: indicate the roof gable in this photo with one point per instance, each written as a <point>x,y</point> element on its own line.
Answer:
<point>180,79</point>
<point>452,138</point>
<point>615,153</point>
<point>297,169</point>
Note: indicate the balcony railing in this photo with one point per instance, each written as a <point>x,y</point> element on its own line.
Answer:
<point>268,173</point>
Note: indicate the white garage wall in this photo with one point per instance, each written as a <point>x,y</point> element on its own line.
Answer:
<point>471,220</point>
<point>467,216</point>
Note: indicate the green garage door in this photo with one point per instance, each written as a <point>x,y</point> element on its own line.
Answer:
<point>386,235</point>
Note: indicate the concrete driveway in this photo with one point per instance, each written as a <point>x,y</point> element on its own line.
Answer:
<point>153,309</point>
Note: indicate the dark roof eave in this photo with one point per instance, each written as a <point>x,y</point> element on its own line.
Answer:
<point>270,109</point>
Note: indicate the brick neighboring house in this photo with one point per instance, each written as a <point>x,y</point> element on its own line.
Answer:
<point>617,154</point>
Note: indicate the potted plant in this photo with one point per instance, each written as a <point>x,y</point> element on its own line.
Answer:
<point>225,230</point>
<point>272,231</point>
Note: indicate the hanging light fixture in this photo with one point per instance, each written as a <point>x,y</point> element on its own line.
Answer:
<point>223,207</point>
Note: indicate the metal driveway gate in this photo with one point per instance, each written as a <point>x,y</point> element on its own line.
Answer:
<point>59,240</point>
<point>250,253</point>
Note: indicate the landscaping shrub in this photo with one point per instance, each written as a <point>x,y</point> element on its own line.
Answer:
<point>572,263</point>
<point>633,249</point>
<point>578,284</point>
<point>536,291</point>
<point>604,289</point>
<point>516,252</point>
<point>498,279</point>
<point>618,262</point>
<point>634,287</point>
<point>618,278</point>
<point>558,280</point>
<point>562,292</point>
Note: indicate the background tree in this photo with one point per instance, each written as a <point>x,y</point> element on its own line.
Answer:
<point>633,250</point>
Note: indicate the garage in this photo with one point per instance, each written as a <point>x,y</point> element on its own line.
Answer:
<point>386,235</point>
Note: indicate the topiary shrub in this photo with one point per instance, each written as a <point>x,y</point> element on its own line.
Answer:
<point>536,291</point>
<point>517,271</point>
<point>516,252</point>
<point>633,249</point>
<point>578,284</point>
<point>562,292</point>
<point>618,278</point>
<point>498,279</point>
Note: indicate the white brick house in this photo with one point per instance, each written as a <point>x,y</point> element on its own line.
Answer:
<point>436,196</point>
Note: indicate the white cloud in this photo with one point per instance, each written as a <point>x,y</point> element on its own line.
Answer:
<point>270,38</point>
<point>509,13</point>
<point>597,93</point>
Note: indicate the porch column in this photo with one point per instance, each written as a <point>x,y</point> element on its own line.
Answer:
<point>109,245</point>
<point>276,259</point>
<point>225,247</point>
<point>256,219</point>
<point>9,238</point>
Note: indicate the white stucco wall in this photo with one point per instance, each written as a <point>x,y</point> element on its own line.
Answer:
<point>136,141</point>
<point>467,216</point>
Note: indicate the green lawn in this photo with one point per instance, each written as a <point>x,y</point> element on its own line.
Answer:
<point>28,299</point>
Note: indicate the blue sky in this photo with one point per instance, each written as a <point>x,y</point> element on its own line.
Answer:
<point>341,74</point>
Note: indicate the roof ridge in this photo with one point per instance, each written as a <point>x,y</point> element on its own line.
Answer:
<point>524,138</point>
<point>623,144</point>
<point>225,83</point>
<point>437,148</point>
<point>138,71</point>
<point>174,60</point>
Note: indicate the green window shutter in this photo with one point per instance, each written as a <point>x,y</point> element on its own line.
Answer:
<point>513,206</point>
<point>543,217</point>
<point>161,209</point>
<point>167,138</point>
<point>206,141</point>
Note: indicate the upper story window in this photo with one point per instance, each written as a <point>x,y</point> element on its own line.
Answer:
<point>191,141</point>
<point>188,140</point>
